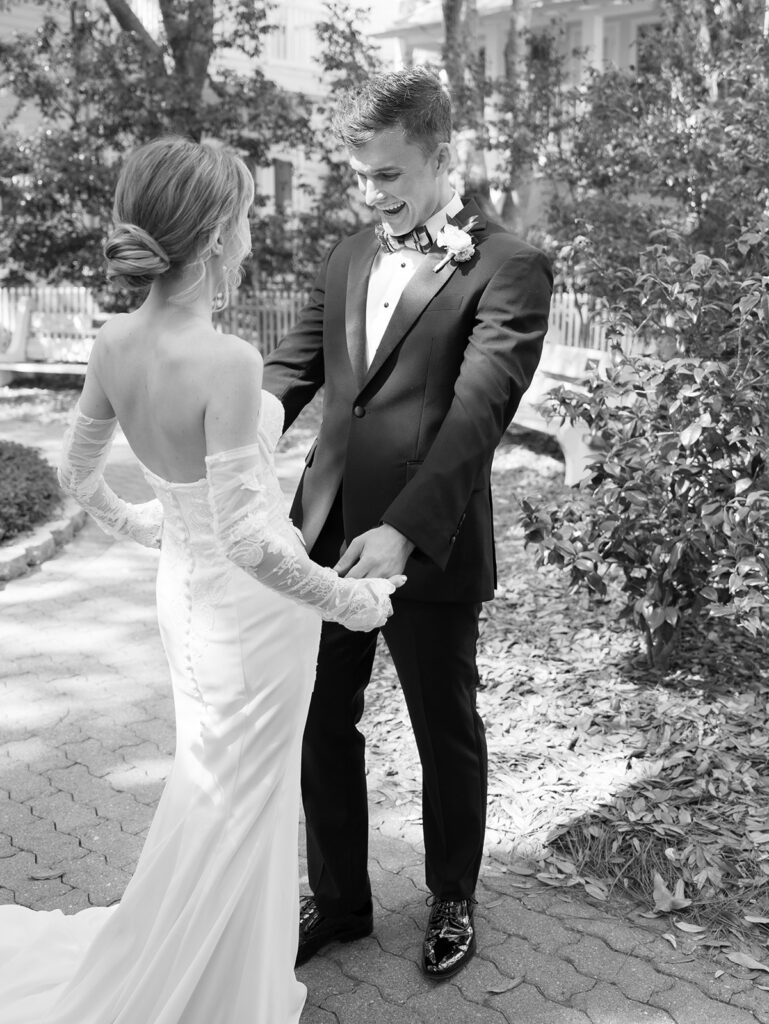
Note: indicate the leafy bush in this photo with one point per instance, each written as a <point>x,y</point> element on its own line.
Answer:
<point>29,491</point>
<point>678,510</point>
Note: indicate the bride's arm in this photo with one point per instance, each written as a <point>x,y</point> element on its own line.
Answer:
<point>86,445</point>
<point>249,512</point>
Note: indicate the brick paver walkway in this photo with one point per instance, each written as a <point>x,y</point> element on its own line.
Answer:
<point>86,742</point>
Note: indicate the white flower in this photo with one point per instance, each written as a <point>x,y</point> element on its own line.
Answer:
<point>458,243</point>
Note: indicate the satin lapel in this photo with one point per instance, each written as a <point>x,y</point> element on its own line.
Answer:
<point>470,209</point>
<point>355,306</point>
<point>422,287</point>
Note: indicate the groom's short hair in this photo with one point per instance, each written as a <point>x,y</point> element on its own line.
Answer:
<point>413,99</point>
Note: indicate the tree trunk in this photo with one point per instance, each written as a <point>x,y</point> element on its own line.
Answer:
<point>465,69</point>
<point>453,49</point>
<point>516,82</point>
<point>191,40</point>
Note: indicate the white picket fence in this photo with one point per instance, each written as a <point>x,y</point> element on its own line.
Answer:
<point>263,318</point>
<point>580,320</point>
<point>61,321</point>
<point>46,299</point>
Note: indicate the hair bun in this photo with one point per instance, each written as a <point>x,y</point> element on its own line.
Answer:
<point>134,256</point>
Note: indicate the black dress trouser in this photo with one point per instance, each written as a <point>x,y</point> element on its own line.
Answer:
<point>433,647</point>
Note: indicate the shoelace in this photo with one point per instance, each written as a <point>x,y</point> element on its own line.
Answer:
<point>450,915</point>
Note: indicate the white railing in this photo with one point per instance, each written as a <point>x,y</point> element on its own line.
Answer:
<point>45,299</point>
<point>579,321</point>
<point>263,318</point>
<point>56,324</point>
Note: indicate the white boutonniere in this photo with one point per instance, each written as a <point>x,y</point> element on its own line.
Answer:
<point>457,242</point>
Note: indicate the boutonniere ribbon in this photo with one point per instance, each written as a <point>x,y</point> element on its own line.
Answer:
<point>457,242</point>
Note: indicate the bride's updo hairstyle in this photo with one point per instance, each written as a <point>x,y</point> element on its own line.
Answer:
<point>172,199</point>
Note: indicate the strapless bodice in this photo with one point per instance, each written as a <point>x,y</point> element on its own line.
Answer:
<point>186,507</point>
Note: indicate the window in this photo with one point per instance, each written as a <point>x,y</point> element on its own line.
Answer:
<point>284,184</point>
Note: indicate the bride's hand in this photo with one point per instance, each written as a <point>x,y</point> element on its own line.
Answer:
<point>370,607</point>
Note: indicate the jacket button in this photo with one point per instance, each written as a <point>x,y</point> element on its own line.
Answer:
<point>359,411</point>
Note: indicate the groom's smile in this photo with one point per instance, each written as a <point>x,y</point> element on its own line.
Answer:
<point>398,179</point>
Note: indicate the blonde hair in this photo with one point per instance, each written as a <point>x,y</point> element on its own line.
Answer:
<point>172,199</point>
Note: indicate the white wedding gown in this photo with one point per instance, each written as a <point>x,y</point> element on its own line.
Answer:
<point>206,931</point>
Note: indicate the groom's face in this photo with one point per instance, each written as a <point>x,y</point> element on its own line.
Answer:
<point>399,180</point>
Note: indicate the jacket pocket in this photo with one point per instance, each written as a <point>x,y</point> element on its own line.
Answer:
<point>411,468</point>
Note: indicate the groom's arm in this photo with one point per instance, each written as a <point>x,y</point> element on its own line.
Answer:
<point>499,362</point>
<point>500,359</point>
<point>294,371</point>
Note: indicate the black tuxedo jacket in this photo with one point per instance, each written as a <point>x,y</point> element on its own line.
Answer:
<point>411,439</point>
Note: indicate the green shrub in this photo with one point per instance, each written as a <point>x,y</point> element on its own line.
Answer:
<point>678,509</point>
<point>29,491</point>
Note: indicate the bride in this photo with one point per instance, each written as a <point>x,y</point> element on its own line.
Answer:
<point>205,932</point>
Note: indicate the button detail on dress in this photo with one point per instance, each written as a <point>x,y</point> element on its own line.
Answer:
<point>359,411</point>
<point>386,305</point>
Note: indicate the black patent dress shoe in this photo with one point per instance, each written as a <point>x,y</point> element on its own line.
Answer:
<point>450,938</point>
<point>316,931</point>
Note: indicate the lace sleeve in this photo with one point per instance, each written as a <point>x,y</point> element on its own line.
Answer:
<point>86,446</point>
<point>256,534</point>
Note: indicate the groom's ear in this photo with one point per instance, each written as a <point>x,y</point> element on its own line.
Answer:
<point>443,158</point>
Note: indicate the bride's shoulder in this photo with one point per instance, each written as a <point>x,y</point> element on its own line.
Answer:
<point>232,351</point>
<point>110,335</point>
<point>234,361</point>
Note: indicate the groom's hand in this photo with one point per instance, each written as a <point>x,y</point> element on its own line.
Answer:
<point>382,552</point>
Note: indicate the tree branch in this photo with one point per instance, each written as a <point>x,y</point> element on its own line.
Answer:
<point>130,23</point>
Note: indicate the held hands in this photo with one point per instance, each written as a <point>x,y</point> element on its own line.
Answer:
<point>373,566</point>
<point>381,552</point>
<point>369,605</point>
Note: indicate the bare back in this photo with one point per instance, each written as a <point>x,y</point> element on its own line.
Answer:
<point>179,389</point>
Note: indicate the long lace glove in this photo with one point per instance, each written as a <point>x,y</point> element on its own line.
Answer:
<point>86,446</point>
<point>256,534</point>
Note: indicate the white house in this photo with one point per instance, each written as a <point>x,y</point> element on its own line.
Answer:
<point>607,30</point>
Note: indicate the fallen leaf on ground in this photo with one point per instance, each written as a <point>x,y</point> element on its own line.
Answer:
<point>745,960</point>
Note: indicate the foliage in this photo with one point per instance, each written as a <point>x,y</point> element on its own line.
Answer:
<point>676,509</point>
<point>347,60</point>
<point>100,84</point>
<point>678,506</point>
<point>668,145</point>
<point>659,184</point>
<point>29,491</point>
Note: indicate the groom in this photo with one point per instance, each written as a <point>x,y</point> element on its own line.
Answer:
<point>424,338</point>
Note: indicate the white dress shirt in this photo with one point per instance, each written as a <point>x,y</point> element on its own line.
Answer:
<point>390,273</point>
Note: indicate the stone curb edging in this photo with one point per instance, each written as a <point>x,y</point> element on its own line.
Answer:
<point>42,543</point>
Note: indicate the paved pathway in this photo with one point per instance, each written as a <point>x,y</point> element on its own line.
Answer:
<point>86,739</point>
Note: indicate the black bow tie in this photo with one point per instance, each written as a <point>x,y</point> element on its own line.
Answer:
<point>418,239</point>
